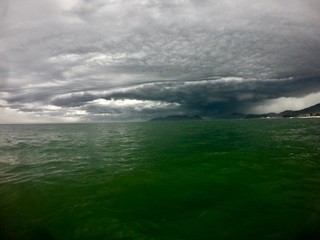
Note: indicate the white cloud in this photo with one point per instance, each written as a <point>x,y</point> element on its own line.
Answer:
<point>285,103</point>
<point>137,105</point>
<point>13,116</point>
<point>67,5</point>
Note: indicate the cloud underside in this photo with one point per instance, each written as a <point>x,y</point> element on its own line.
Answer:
<point>211,98</point>
<point>100,60</point>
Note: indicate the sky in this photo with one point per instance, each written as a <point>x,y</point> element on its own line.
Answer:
<point>132,60</point>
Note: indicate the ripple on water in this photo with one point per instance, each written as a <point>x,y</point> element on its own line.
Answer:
<point>200,180</point>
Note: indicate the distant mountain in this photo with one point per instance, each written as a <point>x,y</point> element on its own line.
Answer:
<point>246,116</point>
<point>306,112</point>
<point>265,115</point>
<point>178,118</point>
<point>313,110</point>
<point>310,111</point>
<point>236,115</point>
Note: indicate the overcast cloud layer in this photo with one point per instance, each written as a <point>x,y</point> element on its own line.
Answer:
<point>102,60</point>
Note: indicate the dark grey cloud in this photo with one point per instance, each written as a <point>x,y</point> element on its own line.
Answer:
<point>207,97</point>
<point>58,58</point>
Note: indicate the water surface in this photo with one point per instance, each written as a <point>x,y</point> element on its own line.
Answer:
<point>235,179</point>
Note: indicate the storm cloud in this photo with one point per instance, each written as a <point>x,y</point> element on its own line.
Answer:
<point>102,60</point>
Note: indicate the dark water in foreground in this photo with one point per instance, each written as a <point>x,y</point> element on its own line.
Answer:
<point>243,179</point>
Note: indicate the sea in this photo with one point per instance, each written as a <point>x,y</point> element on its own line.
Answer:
<point>206,180</point>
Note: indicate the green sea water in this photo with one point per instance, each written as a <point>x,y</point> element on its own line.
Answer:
<point>235,179</point>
